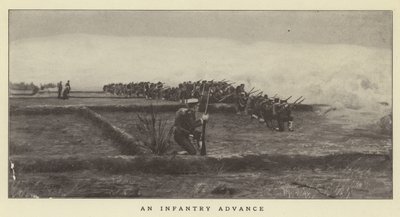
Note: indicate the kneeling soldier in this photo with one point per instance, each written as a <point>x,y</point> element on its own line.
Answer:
<point>186,124</point>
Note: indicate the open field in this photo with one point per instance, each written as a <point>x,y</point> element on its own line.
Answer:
<point>31,101</point>
<point>57,136</point>
<point>68,155</point>
<point>230,134</point>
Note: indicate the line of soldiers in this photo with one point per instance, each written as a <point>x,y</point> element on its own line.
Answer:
<point>273,111</point>
<point>139,89</point>
<point>221,91</point>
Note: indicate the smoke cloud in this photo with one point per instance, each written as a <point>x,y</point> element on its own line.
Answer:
<point>346,76</point>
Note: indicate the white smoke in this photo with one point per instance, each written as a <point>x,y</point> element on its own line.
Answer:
<point>346,76</point>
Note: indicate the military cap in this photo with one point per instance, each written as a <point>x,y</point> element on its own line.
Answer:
<point>191,101</point>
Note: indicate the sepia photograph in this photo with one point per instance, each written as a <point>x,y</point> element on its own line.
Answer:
<point>204,104</point>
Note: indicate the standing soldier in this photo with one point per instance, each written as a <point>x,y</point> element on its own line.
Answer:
<point>159,89</point>
<point>147,90</point>
<point>185,126</point>
<point>284,114</point>
<point>129,88</point>
<point>287,115</point>
<point>266,110</point>
<point>66,90</point>
<point>241,99</point>
<point>60,87</point>
<point>275,108</point>
<point>182,92</point>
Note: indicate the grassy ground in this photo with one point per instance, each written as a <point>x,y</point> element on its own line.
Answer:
<point>286,184</point>
<point>57,136</point>
<point>64,144</point>
<point>314,135</point>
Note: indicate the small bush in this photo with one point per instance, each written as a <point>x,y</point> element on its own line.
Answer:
<point>156,134</point>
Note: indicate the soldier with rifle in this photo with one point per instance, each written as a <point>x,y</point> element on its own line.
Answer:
<point>284,113</point>
<point>266,111</point>
<point>241,99</point>
<point>185,126</point>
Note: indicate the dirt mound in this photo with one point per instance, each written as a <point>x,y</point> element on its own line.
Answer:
<point>386,124</point>
<point>67,109</point>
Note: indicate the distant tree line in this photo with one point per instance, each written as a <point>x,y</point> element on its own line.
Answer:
<point>30,86</point>
<point>49,85</point>
<point>24,86</point>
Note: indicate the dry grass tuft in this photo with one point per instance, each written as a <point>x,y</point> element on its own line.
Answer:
<point>156,133</point>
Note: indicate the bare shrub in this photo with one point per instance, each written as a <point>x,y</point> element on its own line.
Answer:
<point>156,133</point>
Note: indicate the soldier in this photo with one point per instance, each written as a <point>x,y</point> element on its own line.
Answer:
<point>239,89</point>
<point>129,88</point>
<point>266,110</point>
<point>275,108</point>
<point>182,92</point>
<point>241,99</point>
<point>60,87</point>
<point>284,114</point>
<point>185,126</point>
<point>159,89</point>
<point>250,107</point>
<point>268,115</point>
<point>67,89</point>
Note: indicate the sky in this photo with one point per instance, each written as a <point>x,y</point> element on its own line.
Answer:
<point>366,28</point>
<point>340,56</point>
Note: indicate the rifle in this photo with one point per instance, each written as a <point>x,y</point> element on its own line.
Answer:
<point>288,98</point>
<point>275,95</point>
<point>300,101</point>
<point>297,99</point>
<point>253,92</point>
<point>202,92</point>
<point>295,104</point>
<point>203,150</point>
<point>225,97</point>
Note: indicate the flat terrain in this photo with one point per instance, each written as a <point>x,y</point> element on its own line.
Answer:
<point>51,153</point>
<point>32,101</point>
<point>314,135</point>
<point>56,136</point>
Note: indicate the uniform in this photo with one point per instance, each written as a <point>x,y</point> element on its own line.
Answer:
<point>266,112</point>
<point>284,114</point>
<point>60,87</point>
<point>185,125</point>
<point>241,99</point>
<point>67,89</point>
